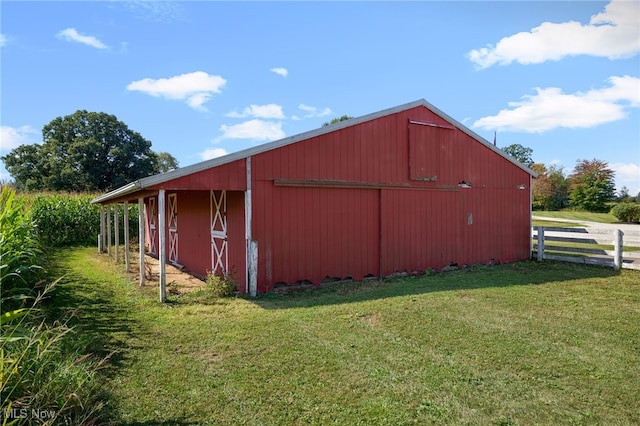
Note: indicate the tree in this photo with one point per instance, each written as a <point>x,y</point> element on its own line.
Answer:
<point>592,185</point>
<point>165,162</point>
<point>624,196</point>
<point>520,153</point>
<point>336,120</point>
<point>551,189</point>
<point>84,151</point>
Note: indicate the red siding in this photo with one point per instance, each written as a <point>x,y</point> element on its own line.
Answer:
<point>231,176</point>
<point>301,234</point>
<point>371,217</point>
<point>194,233</point>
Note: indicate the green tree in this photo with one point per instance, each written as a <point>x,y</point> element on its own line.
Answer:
<point>337,120</point>
<point>520,153</point>
<point>551,189</point>
<point>165,162</point>
<point>592,185</point>
<point>84,151</point>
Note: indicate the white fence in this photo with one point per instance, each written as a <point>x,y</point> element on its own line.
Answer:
<point>587,245</point>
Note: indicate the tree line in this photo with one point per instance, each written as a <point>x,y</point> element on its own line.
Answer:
<point>85,151</point>
<point>590,187</point>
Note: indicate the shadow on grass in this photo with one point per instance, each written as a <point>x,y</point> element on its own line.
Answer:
<point>102,325</point>
<point>475,277</point>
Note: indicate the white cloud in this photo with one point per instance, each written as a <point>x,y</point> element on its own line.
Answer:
<point>313,111</point>
<point>259,111</point>
<point>253,129</point>
<point>550,108</point>
<point>627,174</point>
<point>208,154</point>
<point>281,71</point>
<point>70,34</point>
<point>194,88</point>
<point>13,137</point>
<point>3,40</point>
<point>611,34</point>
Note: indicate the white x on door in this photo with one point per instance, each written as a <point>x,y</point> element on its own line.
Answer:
<point>173,228</point>
<point>152,225</point>
<point>219,256</point>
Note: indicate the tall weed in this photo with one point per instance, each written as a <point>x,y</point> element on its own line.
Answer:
<point>42,366</point>
<point>43,372</point>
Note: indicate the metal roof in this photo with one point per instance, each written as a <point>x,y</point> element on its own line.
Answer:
<point>150,181</point>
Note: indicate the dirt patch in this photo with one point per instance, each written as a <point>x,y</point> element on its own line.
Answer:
<point>179,280</point>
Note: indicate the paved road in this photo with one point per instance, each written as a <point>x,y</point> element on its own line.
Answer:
<point>631,234</point>
<point>633,228</point>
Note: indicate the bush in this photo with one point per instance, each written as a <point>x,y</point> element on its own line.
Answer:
<point>627,212</point>
<point>219,286</point>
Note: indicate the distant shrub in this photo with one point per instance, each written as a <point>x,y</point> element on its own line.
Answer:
<point>626,212</point>
<point>219,286</point>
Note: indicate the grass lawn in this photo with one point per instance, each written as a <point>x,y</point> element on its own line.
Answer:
<point>528,343</point>
<point>575,215</point>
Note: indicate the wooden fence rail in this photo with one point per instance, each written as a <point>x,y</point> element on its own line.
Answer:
<point>587,245</point>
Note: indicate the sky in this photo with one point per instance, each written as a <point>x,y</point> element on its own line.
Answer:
<point>202,79</point>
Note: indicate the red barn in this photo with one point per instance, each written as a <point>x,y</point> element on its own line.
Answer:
<point>399,190</point>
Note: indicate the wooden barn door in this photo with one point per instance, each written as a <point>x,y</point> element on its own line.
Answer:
<point>219,252</point>
<point>173,228</point>
<point>153,215</point>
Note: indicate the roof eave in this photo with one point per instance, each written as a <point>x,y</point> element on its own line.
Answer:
<point>117,193</point>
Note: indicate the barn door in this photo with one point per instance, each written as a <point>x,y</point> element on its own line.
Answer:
<point>152,225</point>
<point>219,256</point>
<point>173,228</point>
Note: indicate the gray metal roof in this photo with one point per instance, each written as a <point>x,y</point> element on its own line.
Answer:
<point>147,182</point>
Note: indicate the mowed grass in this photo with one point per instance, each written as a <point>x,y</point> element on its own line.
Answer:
<point>577,215</point>
<point>527,343</point>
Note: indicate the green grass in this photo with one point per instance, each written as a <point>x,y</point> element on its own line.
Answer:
<point>528,343</point>
<point>577,215</point>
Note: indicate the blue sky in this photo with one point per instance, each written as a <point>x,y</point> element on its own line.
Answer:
<point>201,79</point>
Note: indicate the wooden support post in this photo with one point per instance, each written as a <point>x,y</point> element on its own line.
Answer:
<point>141,237</point>
<point>127,246</point>
<point>116,225</point>
<point>253,268</point>
<point>617,249</point>
<point>102,236</point>
<point>540,243</point>
<point>247,232</point>
<point>162,213</point>
<point>109,229</point>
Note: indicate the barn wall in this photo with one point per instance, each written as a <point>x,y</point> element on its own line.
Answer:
<point>194,235</point>
<point>313,234</point>
<point>231,177</point>
<point>384,196</point>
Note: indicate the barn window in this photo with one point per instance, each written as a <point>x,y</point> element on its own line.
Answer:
<point>428,144</point>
